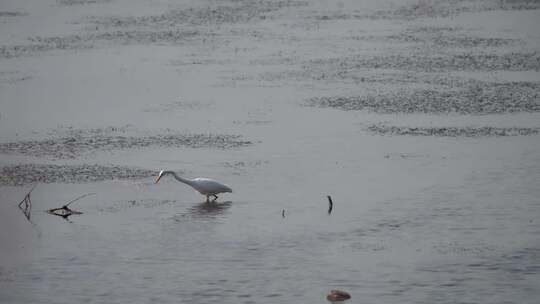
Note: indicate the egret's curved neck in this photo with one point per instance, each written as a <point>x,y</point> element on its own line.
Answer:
<point>179,178</point>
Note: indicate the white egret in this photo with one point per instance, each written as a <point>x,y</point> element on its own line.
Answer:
<point>205,186</point>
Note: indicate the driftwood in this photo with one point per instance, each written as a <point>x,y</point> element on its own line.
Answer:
<point>65,212</point>
<point>330,204</point>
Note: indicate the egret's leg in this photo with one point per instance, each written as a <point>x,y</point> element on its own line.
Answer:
<point>208,198</point>
<point>215,197</point>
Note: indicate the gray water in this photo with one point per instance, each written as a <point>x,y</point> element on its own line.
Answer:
<point>419,118</point>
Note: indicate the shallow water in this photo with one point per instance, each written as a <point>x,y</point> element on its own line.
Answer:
<point>420,119</point>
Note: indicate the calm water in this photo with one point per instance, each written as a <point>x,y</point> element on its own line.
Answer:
<point>278,99</point>
<point>466,239</point>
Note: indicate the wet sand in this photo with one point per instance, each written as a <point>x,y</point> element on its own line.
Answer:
<point>420,119</point>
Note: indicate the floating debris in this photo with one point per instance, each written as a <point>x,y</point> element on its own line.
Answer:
<point>338,295</point>
<point>18,175</point>
<point>452,131</point>
<point>330,204</point>
<point>65,212</point>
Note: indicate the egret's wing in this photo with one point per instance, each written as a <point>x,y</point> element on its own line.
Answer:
<point>211,186</point>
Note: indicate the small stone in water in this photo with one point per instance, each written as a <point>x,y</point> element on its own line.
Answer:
<point>338,295</point>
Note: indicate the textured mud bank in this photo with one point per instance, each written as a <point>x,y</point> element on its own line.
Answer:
<point>444,37</point>
<point>77,145</point>
<point>12,14</point>
<point>226,12</point>
<point>426,62</point>
<point>39,45</point>
<point>485,98</point>
<point>440,8</point>
<point>167,28</point>
<point>18,175</point>
<point>80,2</point>
<point>452,131</point>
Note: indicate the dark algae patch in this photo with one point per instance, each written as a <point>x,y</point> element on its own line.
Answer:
<point>479,98</point>
<point>175,26</point>
<point>449,8</point>
<point>77,145</point>
<point>446,37</point>
<point>429,62</point>
<point>12,14</point>
<point>432,9</point>
<point>80,2</point>
<point>406,67</point>
<point>92,40</point>
<point>226,12</point>
<point>383,129</point>
<point>17,175</point>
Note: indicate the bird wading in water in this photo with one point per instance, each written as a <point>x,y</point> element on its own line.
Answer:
<point>203,185</point>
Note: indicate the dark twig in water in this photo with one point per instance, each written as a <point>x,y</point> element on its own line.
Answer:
<point>330,204</point>
<point>78,198</point>
<point>65,211</point>
<point>27,204</point>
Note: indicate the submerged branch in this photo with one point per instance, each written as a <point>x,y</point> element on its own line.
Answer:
<point>65,211</point>
<point>330,204</point>
<point>27,204</point>
<point>78,198</point>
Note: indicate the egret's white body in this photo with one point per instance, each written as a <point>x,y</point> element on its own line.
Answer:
<point>203,185</point>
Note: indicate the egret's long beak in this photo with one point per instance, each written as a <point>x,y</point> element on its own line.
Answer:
<point>159,177</point>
